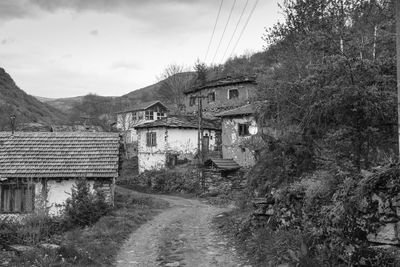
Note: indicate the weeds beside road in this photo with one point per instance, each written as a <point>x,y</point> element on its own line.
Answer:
<point>96,245</point>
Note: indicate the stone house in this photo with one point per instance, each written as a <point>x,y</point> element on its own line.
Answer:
<point>39,169</point>
<point>141,113</point>
<point>222,94</point>
<point>238,125</point>
<point>168,141</point>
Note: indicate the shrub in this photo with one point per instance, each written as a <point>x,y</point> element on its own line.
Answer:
<point>84,207</point>
<point>29,230</point>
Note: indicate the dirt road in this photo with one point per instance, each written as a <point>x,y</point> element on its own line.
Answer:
<point>180,236</point>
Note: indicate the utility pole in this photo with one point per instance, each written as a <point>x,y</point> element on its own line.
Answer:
<point>397,3</point>
<point>200,127</point>
<point>12,122</point>
<point>200,131</point>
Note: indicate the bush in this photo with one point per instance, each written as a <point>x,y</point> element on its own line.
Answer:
<point>30,230</point>
<point>165,181</point>
<point>84,207</point>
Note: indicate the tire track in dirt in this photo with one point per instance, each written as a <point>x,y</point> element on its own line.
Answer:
<point>180,236</point>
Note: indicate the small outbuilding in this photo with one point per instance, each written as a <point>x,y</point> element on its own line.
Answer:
<point>168,141</point>
<point>39,169</point>
<point>238,125</point>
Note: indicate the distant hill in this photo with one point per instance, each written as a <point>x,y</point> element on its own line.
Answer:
<point>27,108</point>
<point>63,104</point>
<point>78,106</point>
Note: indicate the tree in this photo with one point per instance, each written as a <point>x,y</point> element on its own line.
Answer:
<point>330,74</point>
<point>175,80</point>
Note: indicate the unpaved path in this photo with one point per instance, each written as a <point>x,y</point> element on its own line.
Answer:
<point>180,236</point>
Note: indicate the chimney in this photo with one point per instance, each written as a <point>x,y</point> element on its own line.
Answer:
<point>12,121</point>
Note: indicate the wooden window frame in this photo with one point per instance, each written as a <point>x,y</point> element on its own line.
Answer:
<point>243,129</point>
<point>151,139</point>
<point>192,101</point>
<point>211,97</point>
<point>160,115</point>
<point>149,115</point>
<point>9,191</point>
<point>231,96</point>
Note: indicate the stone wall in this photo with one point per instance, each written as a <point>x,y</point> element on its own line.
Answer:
<point>373,203</point>
<point>216,182</point>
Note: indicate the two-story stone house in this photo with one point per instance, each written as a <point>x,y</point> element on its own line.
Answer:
<point>220,95</point>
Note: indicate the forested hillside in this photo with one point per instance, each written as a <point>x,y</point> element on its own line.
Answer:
<point>328,74</point>
<point>27,108</point>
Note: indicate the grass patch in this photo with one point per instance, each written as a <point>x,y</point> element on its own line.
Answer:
<point>97,245</point>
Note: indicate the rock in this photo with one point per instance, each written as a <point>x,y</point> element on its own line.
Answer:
<point>386,234</point>
<point>378,199</point>
<point>50,246</point>
<point>173,264</point>
<point>270,212</point>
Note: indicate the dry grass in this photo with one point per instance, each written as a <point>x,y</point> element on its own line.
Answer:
<point>99,244</point>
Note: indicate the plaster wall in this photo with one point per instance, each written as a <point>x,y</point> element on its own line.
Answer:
<point>58,192</point>
<point>152,157</point>
<point>182,142</point>
<point>231,140</point>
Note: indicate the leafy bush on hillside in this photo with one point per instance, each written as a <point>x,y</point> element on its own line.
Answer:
<point>165,181</point>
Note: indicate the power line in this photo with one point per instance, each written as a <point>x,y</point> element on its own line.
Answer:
<point>213,31</point>
<point>244,27</point>
<point>223,33</point>
<point>234,32</point>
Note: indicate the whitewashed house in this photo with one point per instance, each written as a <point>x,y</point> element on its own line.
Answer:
<point>166,142</point>
<point>38,169</point>
<point>140,113</point>
<point>238,125</point>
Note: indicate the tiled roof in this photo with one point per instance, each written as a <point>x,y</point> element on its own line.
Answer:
<point>181,122</point>
<point>243,110</point>
<point>58,154</point>
<point>224,164</point>
<point>222,82</point>
<point>143,106</point>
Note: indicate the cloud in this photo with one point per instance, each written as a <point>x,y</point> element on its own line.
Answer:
<point>7,41</point>
<point>125,65</point>
<point>94,32</point>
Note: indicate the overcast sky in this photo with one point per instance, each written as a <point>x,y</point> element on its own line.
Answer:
<point>63,48</point>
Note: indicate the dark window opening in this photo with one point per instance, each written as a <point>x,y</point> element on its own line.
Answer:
<point>151,139</point>
<point>243,129</point>
<point>149,115</point>
<point>192,101</point>
<point>17,198</point>
<point>233,93</point>
<point>211,97</point>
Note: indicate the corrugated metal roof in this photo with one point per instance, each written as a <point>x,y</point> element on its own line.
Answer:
<point>224,164</point>
<point>58,154</point>
<point>181,122</point>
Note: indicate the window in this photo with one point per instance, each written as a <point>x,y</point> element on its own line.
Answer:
<point>134,116</point>
<point>243,129</point>
<point>233,93</point>
<point>149,115</point>
<point>140,115</point>
<point>17,198</point>
<point>160,115</point>
<point>211,97</point>
<point>192,101</point>
<point>151,139</point>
